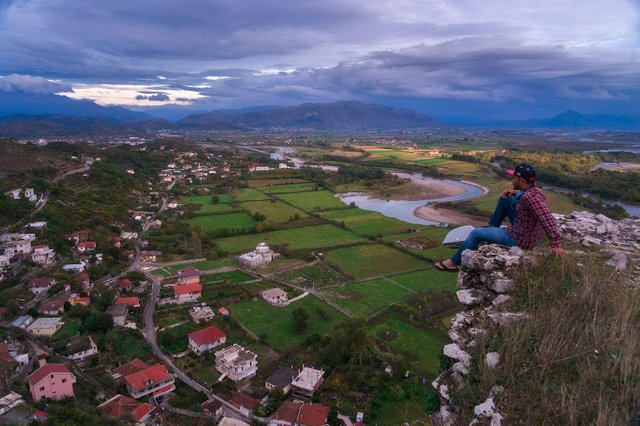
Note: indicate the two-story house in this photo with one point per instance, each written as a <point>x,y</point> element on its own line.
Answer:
<point>121,405</point>
<point>188,276</point>
<point>206,339</point>
<point>43,255</point>
<point>236,362</point>
<point>143,379</point>
<point>186,293</point>
<point>38,286</point>
<point>53,381</point>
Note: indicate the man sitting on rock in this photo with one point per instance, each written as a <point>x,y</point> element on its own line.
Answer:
<point>526,207</point>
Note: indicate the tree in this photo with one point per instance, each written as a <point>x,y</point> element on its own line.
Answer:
<point>300,319</point>
<point>104,322</point>
<point>215,199</point>
<point>349,342</point>
<point>13,307</point>
<point>196,243</point>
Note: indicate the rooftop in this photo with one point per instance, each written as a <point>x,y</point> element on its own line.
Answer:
<point>308,378</point>
<point>188,272</point>
<point>282,378</point>
<point>120,405</point>
<point>45,322</point>
<point>45,370</point>
<point>207,335</point>
<point>181,289</point>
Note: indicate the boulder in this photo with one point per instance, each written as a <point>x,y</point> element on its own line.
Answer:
<point>502,298</point>
<point>496,420</point>
<point>506,318</point>
<point>618,261</point>
<point>502,286</point>
<point>471,297</point>
<point>492,359</point>
<point>486,410</point>
<point>453,351</point>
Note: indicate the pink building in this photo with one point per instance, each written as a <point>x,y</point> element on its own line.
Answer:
<point>188,276</point>
<point>53,381</point>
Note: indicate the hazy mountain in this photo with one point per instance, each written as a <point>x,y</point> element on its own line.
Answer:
<point>13,103</point>
<point>343,115</point>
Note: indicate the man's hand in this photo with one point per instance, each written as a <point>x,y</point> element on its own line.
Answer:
<point>508,192</point>
<point>558,252</point>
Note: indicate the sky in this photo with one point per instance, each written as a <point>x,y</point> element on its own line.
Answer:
<point>447,58</point>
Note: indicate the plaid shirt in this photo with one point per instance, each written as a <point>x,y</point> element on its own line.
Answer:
<point>533,217</point>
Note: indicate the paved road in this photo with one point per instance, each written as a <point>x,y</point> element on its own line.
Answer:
<point>71,172</point>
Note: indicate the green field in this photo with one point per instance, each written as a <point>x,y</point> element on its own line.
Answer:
<point>202,266</point>
<point>436,234</point>
<point>276,212</point>
<point>366,222</point>
<point>366,297</point>
<point>250,194</point>
<point>417,343</point>
<point>317,275</point>
<point>293,187</point>
<point>313,200</point>
<point>216,222</point>
<point>427,280</point>
<point>319,236</point>
<point>206,205</point>
<point>233,277</point>
<point>371,260</point>
<point>274,324</point>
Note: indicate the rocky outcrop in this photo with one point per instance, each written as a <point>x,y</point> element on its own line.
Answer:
<point>485,284</point>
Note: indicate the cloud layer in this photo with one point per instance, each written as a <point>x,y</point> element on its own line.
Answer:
<point>538,56</point>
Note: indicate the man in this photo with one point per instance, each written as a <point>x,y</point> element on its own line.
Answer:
<point>525,206</point>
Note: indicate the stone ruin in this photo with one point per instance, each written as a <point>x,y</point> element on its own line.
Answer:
<point>485,286</point>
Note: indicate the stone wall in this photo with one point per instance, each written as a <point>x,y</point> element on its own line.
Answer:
<point>485,286</point>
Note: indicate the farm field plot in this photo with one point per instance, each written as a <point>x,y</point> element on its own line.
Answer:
<point>313,200</point>
<point>201,266</point>
<point>220,221</point>
<point>273,182</point>
<point>366,297</point>
<point>319,236</point>
<point>250,194</point>
<point>371,260</point>
<point>276,212</point>
<point>275,326</point>
<point>206,205</point>
<point>419,344</point>
<point>366,222</point>
<point>436,234</point>
<point>459,168</point>
<point>294,187</point>
<point>427,280</point>
<point>233,277</point>
<point>317,276</point>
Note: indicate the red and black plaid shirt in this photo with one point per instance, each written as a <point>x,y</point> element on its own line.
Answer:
<point>533,218</point>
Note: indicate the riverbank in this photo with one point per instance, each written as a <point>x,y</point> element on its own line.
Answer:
<point>423,188</point>
<point>433,213</point>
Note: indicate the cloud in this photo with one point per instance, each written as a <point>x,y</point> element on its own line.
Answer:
<point>31,85</point>
<point>155,97</point>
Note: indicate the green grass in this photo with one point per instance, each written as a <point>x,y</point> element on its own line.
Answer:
<point>428,280</point>
<point>233,276</point>
<point>371,260</point>
<point>276,212</point>
<point>366,297</point>
<point>367,222</point>
<point>174,340</point>
<point>317,274</point>
<point>418,344</point>
<point>413,410</point>
<point>436,234</point>
<point>206,205</point>
<point>221,221</point>
<point>164,318</point>
<point>70,328</point>
<point>250,194</point>
<point>293,187</point>
<point>202,266</point>
<point>275,326</point>
<point>314,200</point>
<point>319,236</point>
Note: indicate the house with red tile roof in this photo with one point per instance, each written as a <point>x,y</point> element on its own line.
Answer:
<point>206,339</point>
<point>132,302</point>
<point>124,284</point>
<point>121,405</point>
<point>213,407</point>
<point>188,276</point>
<point>54,306</point>
<point>143,379</point>
<point>186,293</point>
<point>53,381</point>
<point>300,414</point>
<point>244,403</point>
<point>87,246</point>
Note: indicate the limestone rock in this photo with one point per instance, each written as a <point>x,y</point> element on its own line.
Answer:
<point>453,351</point>
<point>485,410</point>
<point>492,359</point>
<point>496,420</point>
<point>506,318</point>
<point>446,416</point>
<point>500,299</point>
<point>502,286</point>
<point>618,261</point>
<point>496,390</point>
<point>460,368</point>
<point>471,297</point>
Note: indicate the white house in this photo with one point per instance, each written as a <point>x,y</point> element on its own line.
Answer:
<point>5,259</point>
<point>186,293</point>
<point>260,256</point>
<point>80,348</point>
<point>37,286</point>
<point>307,382</point>
<point>236,362</point>
<point>40,225</point>
<point>14,247</point>
<point>276,297</point>
<point>43,255</point>
<point>27,193</point>
<point>201,313</point>
<point>45,326</point>
<point>206,339</point>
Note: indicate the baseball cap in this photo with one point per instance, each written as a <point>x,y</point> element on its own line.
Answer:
<point>524,171</point>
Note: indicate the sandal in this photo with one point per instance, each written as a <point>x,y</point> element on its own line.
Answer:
<point>442,267</point>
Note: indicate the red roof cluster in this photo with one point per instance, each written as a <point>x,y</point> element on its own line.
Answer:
<point>143,378</point>
<point>121,405</point>
<point>130,301</point>
<point>302,414</point>
<point>88,244</point>
<point>187,289</point>
<point>45,370</point>
<point>207,335</point>
<point>124,283</point>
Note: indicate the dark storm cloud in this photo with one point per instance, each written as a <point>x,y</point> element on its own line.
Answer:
<point>155,97</point>
<point>32,85</point>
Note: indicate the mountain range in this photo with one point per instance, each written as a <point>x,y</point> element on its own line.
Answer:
<point>24,115</point>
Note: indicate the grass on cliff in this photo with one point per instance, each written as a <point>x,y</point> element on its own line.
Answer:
<point>576,359</point>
